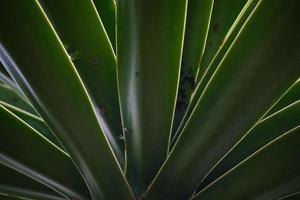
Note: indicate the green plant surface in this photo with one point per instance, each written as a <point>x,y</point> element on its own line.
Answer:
<point>5,79</point>
<point>91,52</point>
<point>59,96</point>
<point>280,157</point>
<point>294,196</point>
<point>257,66</point>
<point>223,17</point>
<point>219,55</point>
<point>149,100</point>
<point>291,96</point>
<point>107,12</point>
<point>266,131</point>
<point>10,99</point>
<point>30,148</point>
<point>197,25</point>
<point>8,197</point>
<point>149,48</point>
<point>230,36</point>
<point>35,122</point>
<point>3,70</point>
<point>9,96</point>
<point>15,183</point>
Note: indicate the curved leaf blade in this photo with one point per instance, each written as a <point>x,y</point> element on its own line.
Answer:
<point>107,13</point>
<point>223,16</point>
<point>149,48</point>
<point>17,184</point>
<point>267,130</point>
<point>294,196</point>
<point>6,79</point>
<point>197,25</point>
<point>81,30</point>
<point>231,35</point>
<point>28,157</point>
<point>16,104</point>
<point>274,173</point>
<point>35,122</point>
<point>10,197</point>
<point>42,68</point>
<point>9,96</point>
<point>254,74</point>
<point>292,95</point>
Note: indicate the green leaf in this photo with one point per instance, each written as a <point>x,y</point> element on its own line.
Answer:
<point>9,96</point>
<point>291,96</point>
<point>107,13</point>
<point>35,122</point>
<point>270,173</point>
<point>42,68</point>
<point>149,48</point>
<point>91,52</point>
<point>4,76</point>
<point>13,102</point>
<point>36,157</point>
<point>3,71</point>
<point>267,130</point>
<point>262,63</point>
<point>197,25</point>
<point>294,196</point>
<point>231,35</point>
<point>8,197</point>
<point>6,79</point>
<point>17,184</point>
<point>223,16</point>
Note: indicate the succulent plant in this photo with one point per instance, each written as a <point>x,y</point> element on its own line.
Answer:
<point>150,100</point>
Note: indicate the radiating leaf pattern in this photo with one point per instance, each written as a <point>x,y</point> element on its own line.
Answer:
<point>149,100</point>
<point>280,157</point>
<point>149,49</point>
<point>90,51</point>
<point>254,74</point>
<point>15,183</point>
<point>30,148</point>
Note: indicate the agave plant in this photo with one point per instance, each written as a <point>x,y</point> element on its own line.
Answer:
<point>152,100</point>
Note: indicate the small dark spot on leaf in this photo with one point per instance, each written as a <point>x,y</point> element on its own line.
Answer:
<point>94,61</point>
<point>215,28</point>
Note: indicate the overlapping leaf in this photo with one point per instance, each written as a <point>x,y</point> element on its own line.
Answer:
<point>90,50</point>
<point>149,48</point>
<point>219,55</point>
<point>197,25</point>
<point>28,153</point>
<point>256,71</point>
<point>271,173</point>
<point>42,68</point>
<point>15,183</point>
<point>107,13</point>
<point>267,130</point>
